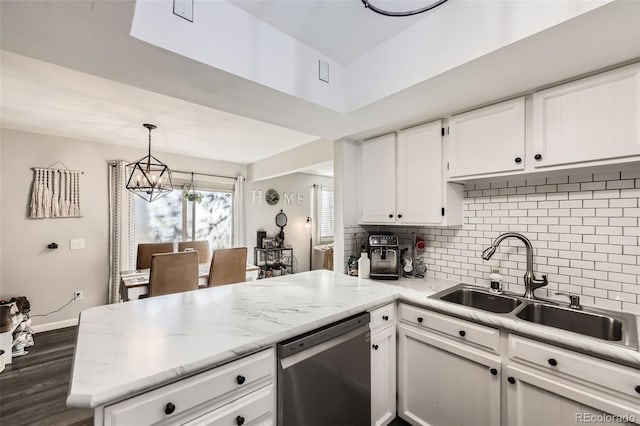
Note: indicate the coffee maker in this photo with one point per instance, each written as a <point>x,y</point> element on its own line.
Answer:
<point>384,255</point>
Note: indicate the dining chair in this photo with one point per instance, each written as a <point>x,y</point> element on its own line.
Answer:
<point>173,273</point>
<point>146,250</point>
<point>228,266</point>
<point>202,247</point>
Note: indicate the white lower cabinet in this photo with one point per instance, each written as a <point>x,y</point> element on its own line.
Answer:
<point>238,393</point>
<point>442,382</point>
<point>535,398</point>
<point>383,376</point>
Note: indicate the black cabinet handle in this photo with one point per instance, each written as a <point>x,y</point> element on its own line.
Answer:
<point>511,380</point>
<point>400,216</point>
<point>538,157</point>
<point>239,420</point>
<point>494,371</point>
<point>518,160</point>
<point>240,379</point>
<point>390,216</point>
<point>420,320</point>
<point>385,317</point>
<point>637,389</point>
<point>553,362</point>
<point>169,408</point>
<point>462,333</point>
<point>375,347</point>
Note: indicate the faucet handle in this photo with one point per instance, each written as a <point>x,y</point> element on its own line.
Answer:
<point>574,299</point>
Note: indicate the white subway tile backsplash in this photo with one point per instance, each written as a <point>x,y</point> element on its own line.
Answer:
<point>585,231</point>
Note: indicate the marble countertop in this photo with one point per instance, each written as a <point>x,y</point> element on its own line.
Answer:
<point>127,348</point>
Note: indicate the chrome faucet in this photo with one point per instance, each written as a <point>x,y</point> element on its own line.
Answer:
<point>531,283</point>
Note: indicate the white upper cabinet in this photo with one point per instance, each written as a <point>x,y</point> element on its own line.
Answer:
<point>488,140</point>
<point>377,180</point>
<point>595,118</point>
<point>402,182</point>
<point>420,174</point>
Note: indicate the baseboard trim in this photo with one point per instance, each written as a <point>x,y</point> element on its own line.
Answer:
<point>54,325</point>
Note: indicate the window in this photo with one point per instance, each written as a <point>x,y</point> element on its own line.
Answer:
<point>326,215</point>
<point>173,218</point>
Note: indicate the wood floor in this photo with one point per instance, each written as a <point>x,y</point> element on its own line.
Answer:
<point>34,388</point>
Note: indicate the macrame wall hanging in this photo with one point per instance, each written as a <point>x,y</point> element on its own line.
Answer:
<point>55,193</point>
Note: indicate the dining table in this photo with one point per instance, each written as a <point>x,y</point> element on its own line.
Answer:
<point>134,283</point>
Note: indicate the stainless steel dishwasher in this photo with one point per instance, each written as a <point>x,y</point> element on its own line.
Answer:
<point>324,376</point>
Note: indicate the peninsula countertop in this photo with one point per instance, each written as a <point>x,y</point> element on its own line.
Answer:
<point>127,348</point>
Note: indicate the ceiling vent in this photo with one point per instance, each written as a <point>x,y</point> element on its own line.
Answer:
<point>183,9</point>
<point>323,71</point>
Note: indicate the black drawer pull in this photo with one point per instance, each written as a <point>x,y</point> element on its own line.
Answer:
<point>400,216</point>
<point>239,420</point>
<point>511,380</point>
<point>169,408</point>
<point>375,347</point>
<point>462,333</point>
<point>390,216</point>
<point>494,371</point>
<point>518,160</point>
<point>637,389</point>
<point>538,157</point>
<point>420,319</point>
<point>385,317</point>
<point>552,362</point>
<point>240,379</point>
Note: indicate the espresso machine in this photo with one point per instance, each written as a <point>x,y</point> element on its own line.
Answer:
<point>384,255</point>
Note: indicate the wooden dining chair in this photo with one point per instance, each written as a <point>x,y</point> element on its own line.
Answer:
<point>228,266</point>
<point>173,273</point>
<point>202,247</point>
<point>146,250</point>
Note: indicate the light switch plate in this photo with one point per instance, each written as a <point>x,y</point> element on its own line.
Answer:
<point>323,71</point>
<point>77,244</point>
<point>183,9</point>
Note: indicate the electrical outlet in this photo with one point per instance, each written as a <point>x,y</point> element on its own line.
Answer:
<point>77,244</point>
<point>78,295</point>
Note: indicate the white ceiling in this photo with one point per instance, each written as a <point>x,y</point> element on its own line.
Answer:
<point>341,29</point>
<point>44,98</point>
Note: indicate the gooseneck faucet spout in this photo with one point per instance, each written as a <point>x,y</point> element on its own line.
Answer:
<point>531,283</point>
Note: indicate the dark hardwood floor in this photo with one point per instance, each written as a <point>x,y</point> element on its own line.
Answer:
<point>33,389</point>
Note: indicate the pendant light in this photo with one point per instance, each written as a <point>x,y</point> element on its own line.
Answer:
<point>149,178</point>
<point>431,5</point>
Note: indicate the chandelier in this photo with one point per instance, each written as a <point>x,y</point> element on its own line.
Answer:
<point>149,178</point>
<point>431,5</point>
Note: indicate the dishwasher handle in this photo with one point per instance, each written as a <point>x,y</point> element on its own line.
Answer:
<point>308,353</point>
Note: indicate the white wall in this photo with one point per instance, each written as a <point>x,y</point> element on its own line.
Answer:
<point>228,38</point>
<point>261,216</point>
<point>49,277</point>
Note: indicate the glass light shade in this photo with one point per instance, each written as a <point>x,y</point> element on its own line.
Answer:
<point>149,178</point>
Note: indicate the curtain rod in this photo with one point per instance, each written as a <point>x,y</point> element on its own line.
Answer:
<point>203,174</point>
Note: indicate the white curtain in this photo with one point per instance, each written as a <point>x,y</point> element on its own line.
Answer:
<point>316,211</point>
<point>121,219</point>
<point>238,210</point>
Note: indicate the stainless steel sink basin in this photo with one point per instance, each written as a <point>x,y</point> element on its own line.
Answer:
<point>614,327</point>
<point>479,299</point>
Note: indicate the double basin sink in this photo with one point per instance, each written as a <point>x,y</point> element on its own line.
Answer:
<point>614,327</point>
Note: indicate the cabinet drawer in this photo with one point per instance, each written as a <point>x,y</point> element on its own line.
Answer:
<point>486,337</point>
<point>602,374</point>
<point>252,409</point>
<point>382,317</point>
<point>175,399</point>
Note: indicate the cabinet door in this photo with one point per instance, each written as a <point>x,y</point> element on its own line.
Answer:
<point>377,177</point>
<point>596,118</point>
<point>487,140</point>
<point>442,383</point>
<point>535,399</point>
<point>383,376</point>
<point>420,175</point>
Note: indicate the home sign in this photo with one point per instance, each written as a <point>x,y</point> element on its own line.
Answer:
<point>273,197</point>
